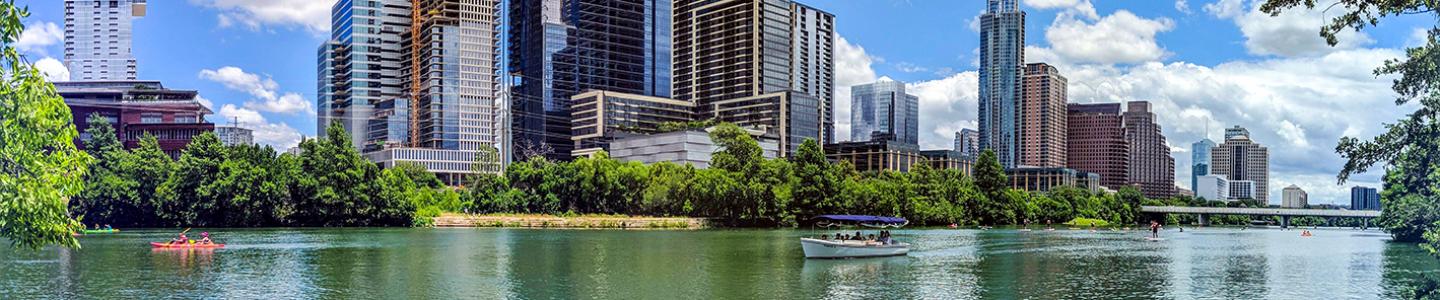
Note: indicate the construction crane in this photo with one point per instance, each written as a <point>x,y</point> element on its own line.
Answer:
<point>416,18</point>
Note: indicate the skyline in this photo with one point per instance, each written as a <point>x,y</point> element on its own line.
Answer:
<point>260,69</point>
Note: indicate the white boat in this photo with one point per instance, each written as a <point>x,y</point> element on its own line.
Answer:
<point>839,248</point>
<point>817,248</point>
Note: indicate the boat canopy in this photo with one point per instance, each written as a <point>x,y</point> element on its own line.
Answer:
<point>867,221</point>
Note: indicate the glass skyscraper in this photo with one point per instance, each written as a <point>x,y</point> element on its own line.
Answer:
<point>359,70</point>
<point>883,110</point>
<point>560,48</point>
<point>1002,61</point>
<point>1199,161</point>
<point>98,37</point>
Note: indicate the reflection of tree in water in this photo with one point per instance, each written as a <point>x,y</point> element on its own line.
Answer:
<point>1406,269</point>
<point>1059,265</point>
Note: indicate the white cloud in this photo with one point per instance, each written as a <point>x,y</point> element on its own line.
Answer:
<point>1293,133</point>
<point>1419,36</point>
<point>1072,7</point>
<point>1182,6</point>
<point>264,89</point>
<point>1294,32</point>
<point>852,66</point>
<point>910,68</point>
<point>1127,38</point>
<point>37,36</point>
<point>277,135</point>
<point>53,70</point>
<point>946,106</point>
<point>313,15</point>
<point>206,102</point>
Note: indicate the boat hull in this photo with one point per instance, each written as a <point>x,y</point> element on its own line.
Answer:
<point>185,246</point>
<point>836,249</point>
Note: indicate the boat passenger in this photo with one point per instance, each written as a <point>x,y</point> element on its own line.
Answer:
<point>182,239</point>
<point>859,237</point>
<point>824,237</point>
<point>205,238</point>
<point>870,237</point>
<point>107,227</point>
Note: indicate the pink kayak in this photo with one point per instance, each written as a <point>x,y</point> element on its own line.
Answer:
<point>186,246</point>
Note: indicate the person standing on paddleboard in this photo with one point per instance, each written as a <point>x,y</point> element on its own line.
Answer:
<point>1154,229</point>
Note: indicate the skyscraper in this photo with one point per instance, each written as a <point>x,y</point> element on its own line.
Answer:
<point>98,37</point>
<point>1364,198</point>
<point>967,142</point>
<point>1002,59</point>
<point>1151,166</point>
<point>560,48</point>
<point>1236,131</point>
<point>1096,142</point>
<point>1199,162</point>
<point>359,69</point>
<point>1241,159</point>
<point>1043,117</point>
<point>1294,197</point>
<point>421,82</point>
<point>769,67</point>
<point>885,109</point>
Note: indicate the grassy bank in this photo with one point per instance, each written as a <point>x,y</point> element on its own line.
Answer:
<point>575,222</point>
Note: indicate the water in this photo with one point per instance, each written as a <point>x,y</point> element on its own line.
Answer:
<point>723,264</point>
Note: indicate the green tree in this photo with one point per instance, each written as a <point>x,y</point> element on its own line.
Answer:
<point>818,183</point>
<point>990,175</point>
<point>40,166</point>
<point>338,187</point>
<point>109,194</point>
<point>188,195</point>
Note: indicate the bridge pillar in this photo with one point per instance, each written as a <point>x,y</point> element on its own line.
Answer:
<point>1365,223</point>
<point>1204,220</point>
<point>1284,221</point>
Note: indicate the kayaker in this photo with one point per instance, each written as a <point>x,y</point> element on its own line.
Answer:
<point>182,239</point>
<point>107,227</point>
<point>205,238</point>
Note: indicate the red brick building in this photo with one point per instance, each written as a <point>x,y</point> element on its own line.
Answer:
<point>135,108</point>
<point>1096,142</point>
<point>1043,117</point>
<point>1152,169</point>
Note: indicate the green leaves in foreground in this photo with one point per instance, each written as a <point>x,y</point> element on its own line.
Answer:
<point>40,167</point>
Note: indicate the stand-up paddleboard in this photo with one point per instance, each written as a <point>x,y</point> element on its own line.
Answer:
<point>1152,239</point>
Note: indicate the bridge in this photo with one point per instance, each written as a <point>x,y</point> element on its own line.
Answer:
<point>1284,213</point>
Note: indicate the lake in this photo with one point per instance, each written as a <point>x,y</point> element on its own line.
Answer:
<point>1209,263</point>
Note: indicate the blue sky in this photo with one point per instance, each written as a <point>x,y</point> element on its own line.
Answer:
<point>1216,62</point>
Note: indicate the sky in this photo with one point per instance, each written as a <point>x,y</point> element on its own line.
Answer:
<point>1204,64</point>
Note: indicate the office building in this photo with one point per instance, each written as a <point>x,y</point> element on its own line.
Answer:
<point>359,70</point>
<point>137,108</point>
<point>235,135</point>
<point>1236,131</point>
<point>560,48</point>
<point>884,108</point>
<point>1096,142</point>
<point>1036,179</point>
<point>1364,198</point>
<point>1151,167</point>
<point>772,64</point>
<point>1245,190</point>
<point>890,155</point>
<point>1043,117</point>
<point>1294,197</point>
<point>948,159</point>
<point>1241,159</point>
<point>967,141</point>
<point>599,117</point>
<point>1213,187</point>
<point>421,83</point>
<point>98,35</point>
<point>692,147</point>
<point>1199,161</point>
<point>1002,61</point>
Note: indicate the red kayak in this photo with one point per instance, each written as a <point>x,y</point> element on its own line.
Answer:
<point>186,246</point>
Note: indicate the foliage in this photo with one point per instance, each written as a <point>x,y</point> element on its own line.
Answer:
<point>40,166</point>
<point>1088,222</point>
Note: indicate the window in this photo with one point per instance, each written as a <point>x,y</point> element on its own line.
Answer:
<point>151,118</point>
<point>186,119</point>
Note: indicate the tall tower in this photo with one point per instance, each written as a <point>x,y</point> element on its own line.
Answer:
<point>1241,159</point>
<point>884,108</point>
<point>1151,166</point>
<point>98,37</point>
<point>1097,143</point>
<point>770,67</point>
<point>560,48</point>
<point>1043,117</point>
<point>359,70</point>
<point>1199,161</point>
<point>1002,59</point>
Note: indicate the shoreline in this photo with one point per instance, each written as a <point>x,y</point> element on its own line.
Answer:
<point>454,220</point>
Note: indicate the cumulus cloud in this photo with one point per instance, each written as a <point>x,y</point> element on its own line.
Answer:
<point>1294,32</point>
<point>852,66</point>
<point>265,90</point>
<point>1419,36</point>
<point>53,70</point>
<point>278,135</point>
<point>313,15</point>
<point>1121,37</point>
<point>1182,6</point>
<point>946,106</point>
<point>37,36</point>
<point>1075,7</point>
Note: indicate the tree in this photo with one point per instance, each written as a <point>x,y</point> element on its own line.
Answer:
<point>990,175</point>
<point>40,166</point>
<point>817,189</point>
<point>108,193</point>
<point>188,197</point>
<point>738,151</point>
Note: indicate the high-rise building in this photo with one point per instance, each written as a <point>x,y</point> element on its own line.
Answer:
<point>967,141</point>
<point>235,135</point>
<point>421,83</point>
<point>1294,197</point>
<point>97,38</point>
<point>1243,190</point>
<point>1364,198</point>
<point>1151,167</point>
<point>1002,62</point>
<point>560,48</point>
<point>1213,187</point>
<point>1043,117</point>
<point>1241,159</point>
<point>731,56</point>
<point>1096,142</point>
<point>359,70</point>
<point>883,107</point>
<point>1236,131</point>
<point>136,109</point>
<point>602,117</point>
<point>1199,162</point>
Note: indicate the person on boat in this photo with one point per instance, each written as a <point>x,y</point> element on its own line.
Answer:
<point>1154,229</point>
<point>205,238</point>
<point>859,237</point>
<point>824,237</point>
<point>182,239</point>
<point>107,227</point>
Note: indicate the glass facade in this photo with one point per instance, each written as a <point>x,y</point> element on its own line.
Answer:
<point>359,69</point>
<point>1002,59</point>
<point>1199,161</point>
<point>98,37</point>
<point>884,108</point>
